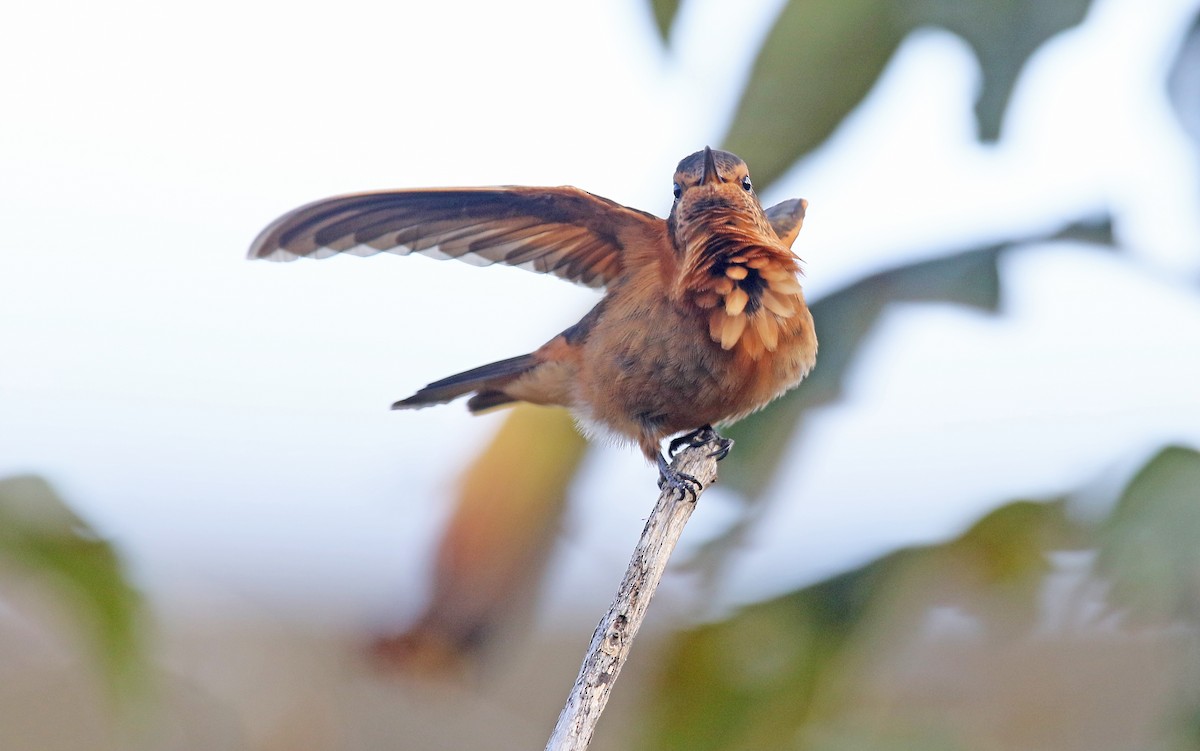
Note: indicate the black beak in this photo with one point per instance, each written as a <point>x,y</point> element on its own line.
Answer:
<point>710,167</point>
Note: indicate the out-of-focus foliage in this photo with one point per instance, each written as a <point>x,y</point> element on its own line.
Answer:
<point>845,317</point>
<point>1150,546</point>
<point>664,15</point>
<point>823,56</point>
<point>954,645</point>
<point>1184,82</point>
<point>41,536</point>
<point>504,524</point>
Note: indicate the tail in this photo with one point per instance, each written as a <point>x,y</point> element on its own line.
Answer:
<point>487,381</point>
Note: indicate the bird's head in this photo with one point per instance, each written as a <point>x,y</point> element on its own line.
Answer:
<point>713,191</point>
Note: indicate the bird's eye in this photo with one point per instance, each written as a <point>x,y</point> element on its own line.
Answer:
<point>747,184</point>
<point>678,191</point>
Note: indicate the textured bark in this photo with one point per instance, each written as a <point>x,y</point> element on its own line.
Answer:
<point>614,635</point>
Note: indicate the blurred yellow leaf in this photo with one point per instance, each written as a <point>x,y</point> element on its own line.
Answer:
<point>494,548</point>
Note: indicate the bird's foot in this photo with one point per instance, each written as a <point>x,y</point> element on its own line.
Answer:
<point>689,487</point>
<point>700,437</point>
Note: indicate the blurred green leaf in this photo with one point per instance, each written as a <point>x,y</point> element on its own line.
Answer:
<point>1097,232</point>
<point>41,534</point>
<point>843,320</point>
<point>823,56</point>
<point>916,649</point>
<point>1150,546</point>
<point>748,682</point>
<point>1183,82</point>
<point>781,670</point>
<point>1003,33</point>
<point>818,62</point>
<point>664,15</point>
<point>1009,544</point>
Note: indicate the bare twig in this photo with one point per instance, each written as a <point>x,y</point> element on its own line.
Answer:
<point>614,635</point>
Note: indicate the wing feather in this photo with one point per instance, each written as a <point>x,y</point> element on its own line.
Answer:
<point>562,231</point>
<point>787,218</point>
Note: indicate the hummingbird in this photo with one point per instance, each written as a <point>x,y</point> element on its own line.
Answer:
<point>703,320</point>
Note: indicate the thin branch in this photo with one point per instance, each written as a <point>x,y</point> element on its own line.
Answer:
<point>614,635</point>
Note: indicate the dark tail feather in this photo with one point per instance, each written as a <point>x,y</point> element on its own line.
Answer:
<point>483,379</point>
<point>485,400</point>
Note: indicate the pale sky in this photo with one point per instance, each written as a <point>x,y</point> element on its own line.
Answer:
<point>226,422</point>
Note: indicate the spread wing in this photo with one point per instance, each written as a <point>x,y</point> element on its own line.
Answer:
<point>786,218</point>
<point>562,231</point>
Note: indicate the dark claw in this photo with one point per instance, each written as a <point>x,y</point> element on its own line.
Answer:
<point>677,444</point>
<point>689,487</point>
<point>700,437</point>
<point>697,437</point>
<point>724,446</point>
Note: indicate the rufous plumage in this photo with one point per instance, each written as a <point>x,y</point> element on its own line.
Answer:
<point>703,320</point>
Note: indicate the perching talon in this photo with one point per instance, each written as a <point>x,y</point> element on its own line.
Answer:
<point>689,487</point>
<point>698,437</point>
